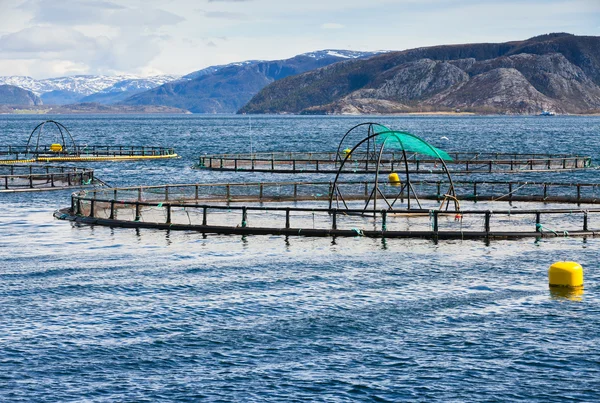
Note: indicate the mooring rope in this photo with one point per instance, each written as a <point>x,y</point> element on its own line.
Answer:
<point>509,193</point>
<point>540,228</point>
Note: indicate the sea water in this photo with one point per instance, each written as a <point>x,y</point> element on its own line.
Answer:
<point>101,314</point>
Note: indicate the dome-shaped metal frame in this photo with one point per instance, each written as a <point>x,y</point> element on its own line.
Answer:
<point>66,141</point>
<point>406,190</point>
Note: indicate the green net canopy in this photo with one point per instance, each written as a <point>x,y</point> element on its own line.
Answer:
<point>378,128</point>
<point>409,142</point>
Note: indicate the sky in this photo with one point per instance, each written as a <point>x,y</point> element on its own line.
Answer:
<point>51,38</point>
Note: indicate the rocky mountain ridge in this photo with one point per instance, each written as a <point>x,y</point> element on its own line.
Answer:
<point>12,95</point>
<point>226,88</point>
<point>558,72</point>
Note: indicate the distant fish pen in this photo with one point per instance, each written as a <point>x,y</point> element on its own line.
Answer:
<point>495,209</point>
<point>19,178</point>
<point>46,153</point>
<point>385,151</point>
<point>63,148</point>
<point>363,162</point>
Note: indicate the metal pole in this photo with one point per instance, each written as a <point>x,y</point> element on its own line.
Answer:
<point>334,224</point>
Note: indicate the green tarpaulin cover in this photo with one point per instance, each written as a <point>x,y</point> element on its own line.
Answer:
<point>409,142</point>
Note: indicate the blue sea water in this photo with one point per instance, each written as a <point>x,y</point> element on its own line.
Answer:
<point>100,314</point>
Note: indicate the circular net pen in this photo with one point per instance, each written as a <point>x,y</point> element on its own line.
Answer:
<point>51,141</point>
<point>363,163</point>
<point>370,157</point>
<point>488,209</point>
<point>23,178</point>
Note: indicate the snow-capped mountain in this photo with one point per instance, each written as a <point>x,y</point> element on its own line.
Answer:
<point>126,88</point>
<point>317,55</point>
<point>213,69</point>
<point>139,84</point>
<point>343,54</point>
<point>86,84</point>
<point>226,88</point>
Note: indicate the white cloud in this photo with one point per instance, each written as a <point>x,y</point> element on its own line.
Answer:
<point>225,15</point>
<point>332,25</point>
<point>88,36</point>
<point>44,37</point>
<point>83,12</point>
<point>76,53</point>
<point>39,39</point>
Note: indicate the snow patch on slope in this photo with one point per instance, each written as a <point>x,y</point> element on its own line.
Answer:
<point>86,84</point>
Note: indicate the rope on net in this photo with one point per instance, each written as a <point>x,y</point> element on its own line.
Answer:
<point>540,228</point>
<point>510,193</point>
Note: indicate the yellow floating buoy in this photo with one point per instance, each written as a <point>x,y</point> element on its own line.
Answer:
<point>565,274</point>
<point>347,151</point>
<point>394,179</point>
<point>56,147</point>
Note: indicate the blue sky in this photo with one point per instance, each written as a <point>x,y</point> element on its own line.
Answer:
<point>47,38</point>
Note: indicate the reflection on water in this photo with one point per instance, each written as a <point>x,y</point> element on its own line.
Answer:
<point>568,293</point>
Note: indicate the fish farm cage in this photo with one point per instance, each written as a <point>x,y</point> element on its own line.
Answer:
<point>387,202</point>
<point>383,150</point>
<point>487,209</point>
<point>62,147</point>
<point>19,178</point>
<point>362,163</point>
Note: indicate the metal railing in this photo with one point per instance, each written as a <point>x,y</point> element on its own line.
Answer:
<point>360,162</point>
<point>18,177</point>
<point>85,150</point>
<point>236,208</point>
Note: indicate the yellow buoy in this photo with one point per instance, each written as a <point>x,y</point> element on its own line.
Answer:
<point>347,151</point>
<point>565,274</point>
<point>56,147</point>
<point>394,179</point>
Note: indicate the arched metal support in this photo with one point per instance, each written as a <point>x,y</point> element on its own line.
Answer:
<point>373,194</point>
<point>39,128</point>
<point>370,131</point>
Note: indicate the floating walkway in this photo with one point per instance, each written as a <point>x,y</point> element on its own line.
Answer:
<point>24,154</point>
<point>26,178</point>
<point>366,162</point>
<point>42,146</point>
<point>489,209</point>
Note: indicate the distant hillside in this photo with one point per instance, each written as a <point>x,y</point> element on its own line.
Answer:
<point>224,89</point>
<point>61,97</point>
<point>85,108</point>
<point>11,95</point>
<point>558,72</point>
<point>127,88</point>
<point>91,107</point>
<point>67,90</point>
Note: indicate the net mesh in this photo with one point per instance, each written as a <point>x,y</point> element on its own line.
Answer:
<point>409,142</point>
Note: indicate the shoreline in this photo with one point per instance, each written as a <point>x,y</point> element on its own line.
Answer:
<point>175,111</point>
